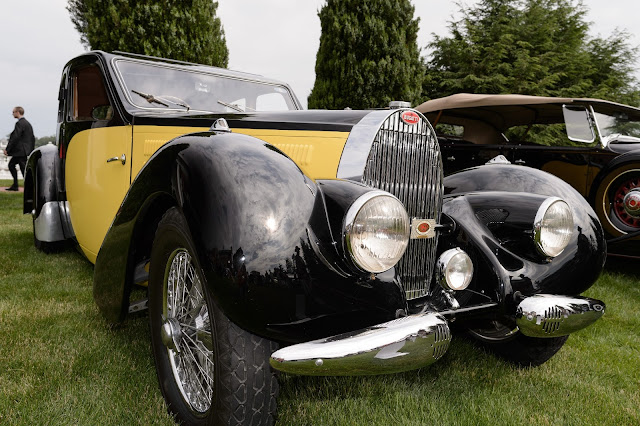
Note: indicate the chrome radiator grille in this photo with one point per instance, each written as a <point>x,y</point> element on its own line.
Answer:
<point>405,161</point>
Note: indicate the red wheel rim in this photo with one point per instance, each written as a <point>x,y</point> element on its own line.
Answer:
<point>618,202</point>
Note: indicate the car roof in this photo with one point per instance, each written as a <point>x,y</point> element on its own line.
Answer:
<point>469,100</point>
<point>505,111</point>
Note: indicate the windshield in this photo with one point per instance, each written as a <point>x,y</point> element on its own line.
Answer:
<point>161,87</point>
<point>617,122</point>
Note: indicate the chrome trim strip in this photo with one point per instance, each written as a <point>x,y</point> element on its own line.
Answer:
<point>356,150</point>
<point>49,226</point>
<point>403,344</point>
<point>548,315</point>
<point>604,142</point>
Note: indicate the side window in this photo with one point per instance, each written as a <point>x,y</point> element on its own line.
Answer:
<point>89,97</point>
<point>450,130</point>
<point>539,134</point>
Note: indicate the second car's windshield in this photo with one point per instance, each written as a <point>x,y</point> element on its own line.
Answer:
<point>150,85</point>
<point>612,122</point>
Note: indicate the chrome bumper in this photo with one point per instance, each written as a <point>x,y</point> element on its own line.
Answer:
<point>403,344</point>
<point>545,315</point>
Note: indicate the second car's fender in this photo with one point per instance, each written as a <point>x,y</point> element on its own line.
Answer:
<point>494,208</point>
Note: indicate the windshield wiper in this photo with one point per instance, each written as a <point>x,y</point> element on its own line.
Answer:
<point>232,106</point>
<point>150,98</point>
<point>166,98</point>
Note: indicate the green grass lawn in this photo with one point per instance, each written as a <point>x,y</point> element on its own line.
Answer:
<point>61,364</point>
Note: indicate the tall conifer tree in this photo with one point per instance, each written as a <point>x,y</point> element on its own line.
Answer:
<point>187,30</point>
<point>534,47</point>
<point>368,55</point>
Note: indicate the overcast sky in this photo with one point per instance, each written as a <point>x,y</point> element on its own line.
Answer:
<point>275,38</point>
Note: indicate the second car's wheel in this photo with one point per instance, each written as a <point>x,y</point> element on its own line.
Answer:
<point>610,199</point>
<point>510,344</point>
<point>210,371</point>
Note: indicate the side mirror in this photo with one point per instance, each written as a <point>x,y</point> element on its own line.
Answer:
<point>576,119</point>
<point>102,112</point>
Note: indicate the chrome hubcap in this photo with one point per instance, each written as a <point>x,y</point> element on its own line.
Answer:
<point>186,332</point>
<point>632,203</point>
<point>623,202</point>
<point>171,334</point>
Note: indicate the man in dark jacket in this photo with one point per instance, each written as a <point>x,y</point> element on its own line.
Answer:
<point>21,143</point>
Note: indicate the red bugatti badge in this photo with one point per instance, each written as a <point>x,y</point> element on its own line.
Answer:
<point>422,228</point>
<point>410,117</point>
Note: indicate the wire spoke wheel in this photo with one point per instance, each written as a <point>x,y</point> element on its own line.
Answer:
<point>210,371</point>
<point>186,332</point>
<point>617,202</point>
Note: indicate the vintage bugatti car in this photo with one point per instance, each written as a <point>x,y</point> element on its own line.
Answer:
<point>592,144</point>
<point>311,242</point>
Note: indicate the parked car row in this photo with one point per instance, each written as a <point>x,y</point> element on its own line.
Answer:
<point>268,238</point>
<point>592,144</point>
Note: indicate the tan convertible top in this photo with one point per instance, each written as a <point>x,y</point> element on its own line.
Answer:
<point>469,100</point>
<point>485,117</point>
<point>501,112</point>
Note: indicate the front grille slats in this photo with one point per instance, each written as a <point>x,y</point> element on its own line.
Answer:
<point>405,161</point>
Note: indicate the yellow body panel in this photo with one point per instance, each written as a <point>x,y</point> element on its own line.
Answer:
<point>316,153</point>
<point>148,139</point>
<point>95,188</point>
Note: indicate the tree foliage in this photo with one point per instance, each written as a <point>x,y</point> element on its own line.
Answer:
<point>368,55</point>
<point>534,47</point>
<point>186,30</point>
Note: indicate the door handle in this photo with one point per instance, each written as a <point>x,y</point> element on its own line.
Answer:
<point>122,158</point>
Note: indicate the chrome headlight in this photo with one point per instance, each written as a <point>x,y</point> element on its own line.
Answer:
<point>376,229</point>
<point>454,269</point>
<point>553,227</point>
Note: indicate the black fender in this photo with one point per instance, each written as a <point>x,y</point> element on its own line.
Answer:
<point>264,239</point>
<point>494,208</point>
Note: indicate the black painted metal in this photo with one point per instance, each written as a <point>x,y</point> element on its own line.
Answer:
<point>505,247</point>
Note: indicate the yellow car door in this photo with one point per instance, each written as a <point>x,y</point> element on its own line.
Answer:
<point>97,175</point>
<point>97,166</point>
